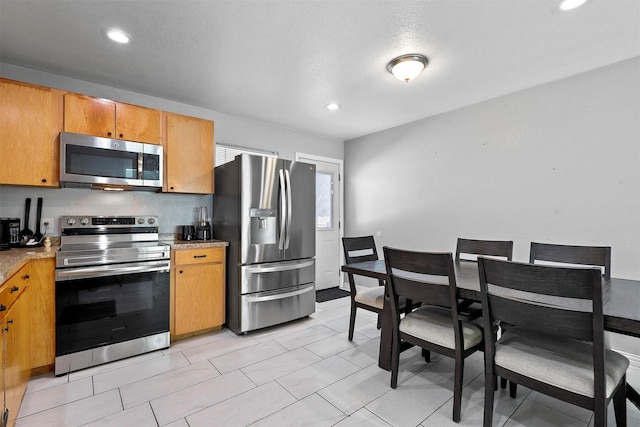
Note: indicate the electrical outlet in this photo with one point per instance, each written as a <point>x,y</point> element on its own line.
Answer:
<point>49,227</point>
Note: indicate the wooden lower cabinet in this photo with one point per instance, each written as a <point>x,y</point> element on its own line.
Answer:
<point>198,297</point>
<point>16,326</point>
<point>43,314</point>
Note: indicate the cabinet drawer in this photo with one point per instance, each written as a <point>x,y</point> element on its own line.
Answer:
<point>12,288</point>
<point>199,256</point>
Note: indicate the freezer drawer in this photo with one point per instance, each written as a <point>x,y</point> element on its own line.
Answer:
<point>274,276</point>
<point>263,309</point>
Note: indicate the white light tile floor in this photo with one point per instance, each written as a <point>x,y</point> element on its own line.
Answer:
<point>304,373</point>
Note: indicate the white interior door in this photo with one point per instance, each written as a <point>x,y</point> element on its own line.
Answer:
<point>328,220</point>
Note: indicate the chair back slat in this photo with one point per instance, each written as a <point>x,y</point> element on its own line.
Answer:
<point>435,294</point>
<point>359,249</point>
<point>539,279</point>
<point>498,248</point>
<point>421,276</point>
<point>574,311</point>
<point>569,254</point>
<point>542,318</point>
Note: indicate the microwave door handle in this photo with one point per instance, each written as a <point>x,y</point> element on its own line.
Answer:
<point>289,207</point>
<point>140,165</point>
<point>283,207</point>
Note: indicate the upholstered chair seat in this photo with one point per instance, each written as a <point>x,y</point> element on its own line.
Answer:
<point>563,363</point>
<point>434,324</point>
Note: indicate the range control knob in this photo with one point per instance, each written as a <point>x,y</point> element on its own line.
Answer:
<point>140,220</point>
<point>151,220</point>
<point>84,221</point>
<point>71,221</point>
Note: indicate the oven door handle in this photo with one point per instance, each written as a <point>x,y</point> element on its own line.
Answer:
<point>111,270</point>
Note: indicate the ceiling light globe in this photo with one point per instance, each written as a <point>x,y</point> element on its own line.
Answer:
<point>570,4</point>
<point>118,36</point>
<point>407,67</point>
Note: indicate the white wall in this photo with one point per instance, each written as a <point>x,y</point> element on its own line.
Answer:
<point>174,209</point>
<point>554,163</point>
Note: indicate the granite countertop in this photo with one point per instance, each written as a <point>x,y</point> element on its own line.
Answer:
<point>12,260</point>
<point>186,244</point>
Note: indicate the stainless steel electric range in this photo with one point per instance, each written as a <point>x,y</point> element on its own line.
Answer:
<point>112,290</point>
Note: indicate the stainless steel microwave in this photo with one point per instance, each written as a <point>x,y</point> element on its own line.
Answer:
<point>109,164</point>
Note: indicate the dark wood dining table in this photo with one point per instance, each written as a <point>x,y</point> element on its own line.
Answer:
<point>621,301</point>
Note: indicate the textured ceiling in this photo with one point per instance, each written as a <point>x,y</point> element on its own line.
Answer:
<point>281,61</point>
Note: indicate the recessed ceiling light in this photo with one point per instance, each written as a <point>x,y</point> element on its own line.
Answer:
<point>332,106</point>
<point>118,36</point>
<point>569,4</point>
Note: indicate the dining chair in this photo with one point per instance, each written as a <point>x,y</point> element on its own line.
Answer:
<point>569,255</point>
<point>468,250</point>
<point>599,256</point>
<point>360,249</point>
<point>555,344</point>
<point>496,248</point>
<point>434,326</point>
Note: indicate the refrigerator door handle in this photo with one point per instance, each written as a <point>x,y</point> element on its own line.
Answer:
<point>283,207</point>
<point>271,269</point>
<point>289,204</point>
<point>251,299</point>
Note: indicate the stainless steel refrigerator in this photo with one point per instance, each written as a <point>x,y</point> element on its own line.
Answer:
<point>265,208</point>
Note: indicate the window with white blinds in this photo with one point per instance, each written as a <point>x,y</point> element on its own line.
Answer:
<point>226,153</point>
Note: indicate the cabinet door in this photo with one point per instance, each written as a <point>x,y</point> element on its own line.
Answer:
<point>43,305</point>
<point>3,345</point>
<point>30,125</point>
<point>89,116</point>
<point>189,155</point>
<point>139,124</point>
<point>18,354</point>
<point>199,297</point>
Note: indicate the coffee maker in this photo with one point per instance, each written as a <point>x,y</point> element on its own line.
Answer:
<point>203,229</point>
<point>9,232</point>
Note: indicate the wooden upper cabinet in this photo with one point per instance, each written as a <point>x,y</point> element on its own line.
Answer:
<point>93,116</point>
<point>189,151</point>
<point>30,124</point>
<point>135,123</point>
<point>89,116</point>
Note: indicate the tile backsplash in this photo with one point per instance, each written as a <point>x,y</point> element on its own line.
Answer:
<point>173,209</point>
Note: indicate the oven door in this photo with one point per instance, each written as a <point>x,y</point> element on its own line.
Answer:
<point>123,304</point>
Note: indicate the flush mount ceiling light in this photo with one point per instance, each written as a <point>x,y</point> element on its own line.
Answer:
<point>118,36</point>
<point>407,67</point>
<point>332,106</point>
<point>564,5</point>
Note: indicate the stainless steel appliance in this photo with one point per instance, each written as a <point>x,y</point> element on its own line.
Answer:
<point>265,208</point>
<point>9,232</point>
<point>112,290</point>
<point>109,164</point>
